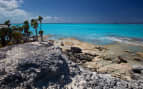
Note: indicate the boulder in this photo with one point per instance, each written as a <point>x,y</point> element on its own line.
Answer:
<point>138,59</point>
<point>100,48</point>
<point>76,50</point>
<point>137,69</point>
<point>48,65</point>
<point>2,55</point>
<point>122,60</point>
<point>78,57</point>
<point>137,72</point>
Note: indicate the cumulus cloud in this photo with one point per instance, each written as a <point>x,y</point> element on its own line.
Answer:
<point>10,4</point>
<point>10,10</point>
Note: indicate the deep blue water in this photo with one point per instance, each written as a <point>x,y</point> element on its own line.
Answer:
<point>95,33</point>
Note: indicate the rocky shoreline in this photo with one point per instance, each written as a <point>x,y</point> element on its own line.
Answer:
<point>68,64</point>
<point>119,60</point>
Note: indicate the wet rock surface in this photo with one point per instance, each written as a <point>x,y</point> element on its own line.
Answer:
<point>39,65</point>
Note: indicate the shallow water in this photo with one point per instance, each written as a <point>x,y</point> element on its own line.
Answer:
<point>96,33</point>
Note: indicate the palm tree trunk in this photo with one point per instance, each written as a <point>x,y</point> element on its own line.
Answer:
<point>41,37</point>
<point>36,35</point>
<point>3,41</point>
<point>41,34</point>
<point>40,26</point>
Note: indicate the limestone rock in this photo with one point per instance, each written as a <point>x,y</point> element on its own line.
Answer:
<point>75,54</point>
<point>2,55</point>
<point>138,59</point>
<point>117,70</point>
<point>109,57</point>
<point>140,54</point>
<point>122,59</point>
<point>137,69</point>
<point>35,65</point>
<point>34,71</point>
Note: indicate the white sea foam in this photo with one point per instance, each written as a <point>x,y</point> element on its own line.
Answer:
<point>126,40</point>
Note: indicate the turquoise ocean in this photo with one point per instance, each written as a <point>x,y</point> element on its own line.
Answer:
<point>96,33</point>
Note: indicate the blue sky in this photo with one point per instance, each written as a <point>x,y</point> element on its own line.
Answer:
<point>73,11</point>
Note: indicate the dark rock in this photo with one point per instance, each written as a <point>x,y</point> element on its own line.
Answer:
<point>76,55</point>
<point>12,80</point>
<point>138,59</point>
<point>2,55</point>
<point>62,44</point>
<point>83,61</point>
<point>122,60</point>
<point>79,57</point>
<point>136,76</point>
<point>45,44</point>
<point>49,65</point>
<point>86,56</point>
<point>137,69</point>
<point>101,48</point>
<point>76,50</point>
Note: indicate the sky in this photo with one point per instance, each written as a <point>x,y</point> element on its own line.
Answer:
<point>73,11</point>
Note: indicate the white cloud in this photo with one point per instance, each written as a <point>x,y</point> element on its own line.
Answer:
<point>10,10</point>
<point>53,19</point>
<point>50,19</point>
<point>10,4</point>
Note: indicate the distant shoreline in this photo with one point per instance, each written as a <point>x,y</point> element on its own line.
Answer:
<point>116,41</point>
<point>86,23</point>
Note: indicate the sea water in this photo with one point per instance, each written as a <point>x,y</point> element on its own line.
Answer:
<point>96,33</point>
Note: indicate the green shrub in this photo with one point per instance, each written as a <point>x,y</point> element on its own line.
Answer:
<point>17,37</point>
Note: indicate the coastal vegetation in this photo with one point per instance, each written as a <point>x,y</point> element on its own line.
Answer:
<point>15,34</point>
<point>38,64</point>
<point>34,24</point>
<point>41,31</point>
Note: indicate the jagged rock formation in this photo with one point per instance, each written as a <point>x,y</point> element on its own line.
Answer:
<point>40,65</point>
<point>75,54</point>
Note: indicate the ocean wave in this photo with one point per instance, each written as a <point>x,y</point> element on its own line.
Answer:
<point>132,41</point>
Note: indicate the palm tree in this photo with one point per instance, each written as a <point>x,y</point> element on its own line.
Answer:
<point>9,37</point>
<point>40,18</point>
<point>20,29</point>
<point>3,35</point>
<point>26,29</point>
<point>7,23</point>
<point>13,28</point>
<point>17,36</point>
<point>34,24</point>
<point>41,34</point>
<point>26,26</point>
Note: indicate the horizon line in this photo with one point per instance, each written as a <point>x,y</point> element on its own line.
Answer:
<point>84,23</point>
